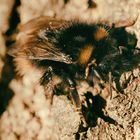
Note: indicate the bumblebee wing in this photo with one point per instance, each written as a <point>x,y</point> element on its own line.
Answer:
<point>38,53</point>
<point>32,43</point>
<point>43,22</point>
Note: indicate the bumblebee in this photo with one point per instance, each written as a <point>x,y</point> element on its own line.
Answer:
<point>65,50</point>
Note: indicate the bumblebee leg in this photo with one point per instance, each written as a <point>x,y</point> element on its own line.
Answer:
<point>73,93</point>
<point>110,84</point>
<point>95,70</point>
<point>105,83</point>
<point>76,100</point>
<point>98,75</point>
<point>49,91</point>
<point>47,83</point>
<point>92,63</point>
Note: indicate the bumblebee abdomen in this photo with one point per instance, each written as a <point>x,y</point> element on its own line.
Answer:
<point>85,54</point>
<point>79,40</point>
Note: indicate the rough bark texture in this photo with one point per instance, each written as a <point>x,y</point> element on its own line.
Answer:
<point>28,116</point>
